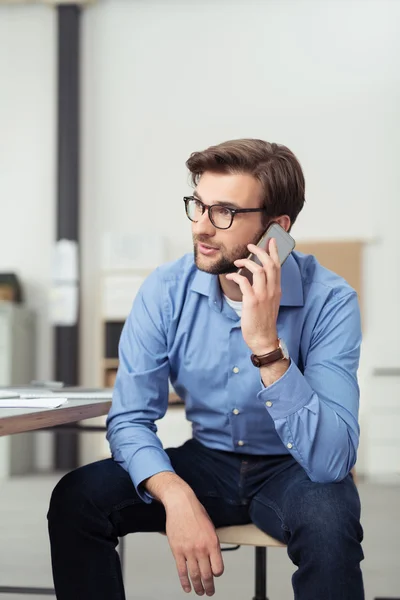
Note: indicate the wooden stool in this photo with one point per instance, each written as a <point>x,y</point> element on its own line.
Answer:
<point>250,535</point>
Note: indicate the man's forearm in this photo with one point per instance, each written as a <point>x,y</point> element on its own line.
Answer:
<point>167,487</point>
<point>320,434</point>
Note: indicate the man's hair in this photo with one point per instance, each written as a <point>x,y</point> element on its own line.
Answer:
<point>274,165</point>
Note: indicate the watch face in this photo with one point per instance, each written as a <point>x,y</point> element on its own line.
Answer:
<point>284,349</point>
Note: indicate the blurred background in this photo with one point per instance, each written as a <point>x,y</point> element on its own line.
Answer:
<point>157,80</point>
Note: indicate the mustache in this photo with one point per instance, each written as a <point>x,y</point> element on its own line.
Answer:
<point>202,240</point>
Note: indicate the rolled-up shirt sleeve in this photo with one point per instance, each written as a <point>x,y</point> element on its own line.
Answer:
<point>316,412</point>
<point>140,395</point>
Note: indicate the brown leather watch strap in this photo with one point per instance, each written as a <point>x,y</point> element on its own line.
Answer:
<point>267,359</point>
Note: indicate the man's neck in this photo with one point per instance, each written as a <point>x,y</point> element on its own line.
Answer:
<point>230,288</point>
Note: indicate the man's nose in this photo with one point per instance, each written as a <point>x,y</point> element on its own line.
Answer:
<point>204,225</point>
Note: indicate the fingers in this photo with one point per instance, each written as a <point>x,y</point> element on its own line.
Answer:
<point>266,257</point>
<point>258,272</point>
<point>183,573</point>
<point>270,263</point>
<point>207,575</point>
<point>243,283</point>
<point>201,574</point>
<point>195,575</point>
<point>217,564</point>
<point>273,252</point>
<point>266,277</point>
<point>252,266</point>
<point>273,268</point>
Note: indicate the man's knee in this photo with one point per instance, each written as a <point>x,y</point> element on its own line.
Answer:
<point>68,496</point>
<point>79,494</point>
<point>327,515</point>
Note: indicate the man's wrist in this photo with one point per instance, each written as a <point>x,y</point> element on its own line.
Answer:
<point>168,488</point>
<point>175,494</point>
<point>271,373</point>
<point>265,346</point>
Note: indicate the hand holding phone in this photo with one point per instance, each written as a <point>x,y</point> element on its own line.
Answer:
<point>285,245</point>
<point>261,293</point>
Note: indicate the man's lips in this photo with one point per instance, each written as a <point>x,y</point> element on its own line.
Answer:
<point>206,249</point>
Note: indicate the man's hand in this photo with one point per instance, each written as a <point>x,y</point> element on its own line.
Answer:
<point>261,300</point>
<point>190,532</point>
<point>194,544</point>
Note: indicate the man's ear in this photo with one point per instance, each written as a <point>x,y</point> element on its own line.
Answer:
<point>284,222</point>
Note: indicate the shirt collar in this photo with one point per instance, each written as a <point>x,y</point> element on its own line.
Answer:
<point>208,285</point>
<point>291,284</point>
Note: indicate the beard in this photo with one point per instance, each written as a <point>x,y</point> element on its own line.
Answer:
<point>222,266</point>
<point>226,262</point>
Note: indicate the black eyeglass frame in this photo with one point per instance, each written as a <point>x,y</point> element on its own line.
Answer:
<point>205,207</point>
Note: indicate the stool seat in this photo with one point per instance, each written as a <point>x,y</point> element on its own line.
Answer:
<point>246,535</point>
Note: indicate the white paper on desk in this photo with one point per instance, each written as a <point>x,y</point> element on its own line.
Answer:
<point>33,402</point>
<point>30,391</point>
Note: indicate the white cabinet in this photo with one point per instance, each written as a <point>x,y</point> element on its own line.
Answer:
<point>17,367</point>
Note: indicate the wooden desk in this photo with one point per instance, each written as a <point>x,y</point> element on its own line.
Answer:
<point>19,420</point>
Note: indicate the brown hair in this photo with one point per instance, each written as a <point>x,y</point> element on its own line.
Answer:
<point>274,165</point>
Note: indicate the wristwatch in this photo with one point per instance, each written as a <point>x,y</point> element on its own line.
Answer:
<point>280,353</point>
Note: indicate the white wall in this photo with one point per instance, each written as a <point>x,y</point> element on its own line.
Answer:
<point>27,158</point>
<point>164,78</point>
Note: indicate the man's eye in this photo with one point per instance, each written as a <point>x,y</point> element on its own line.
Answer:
<point>224,212</point>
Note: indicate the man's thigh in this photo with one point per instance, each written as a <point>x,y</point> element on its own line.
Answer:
<point>291,500</point>
<point>213,477</point>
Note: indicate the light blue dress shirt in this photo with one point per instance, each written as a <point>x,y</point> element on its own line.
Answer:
<point>181,328</point>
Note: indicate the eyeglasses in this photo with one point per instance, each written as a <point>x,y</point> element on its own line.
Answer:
<point>220,216</point>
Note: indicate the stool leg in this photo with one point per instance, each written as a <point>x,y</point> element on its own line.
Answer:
<point>121,550</point>
<point>260,573</point>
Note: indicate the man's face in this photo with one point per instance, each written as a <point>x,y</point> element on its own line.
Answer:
<point>215,250</point>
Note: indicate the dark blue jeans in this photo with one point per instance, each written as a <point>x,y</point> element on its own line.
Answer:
<point>320,523</point>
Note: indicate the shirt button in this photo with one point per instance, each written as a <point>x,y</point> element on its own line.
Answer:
<point>235,411</point>
<point>240,443</point>
<point>289,445</point>
<point>269,404</point>
<point>235,369</point>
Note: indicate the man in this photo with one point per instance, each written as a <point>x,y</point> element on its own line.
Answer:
<point>272,445</point>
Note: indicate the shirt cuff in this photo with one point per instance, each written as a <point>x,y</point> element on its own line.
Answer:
<point>146,463</point>
<point>287,395</point>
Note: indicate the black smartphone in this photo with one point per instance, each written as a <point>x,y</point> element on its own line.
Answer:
<point>284,241</point>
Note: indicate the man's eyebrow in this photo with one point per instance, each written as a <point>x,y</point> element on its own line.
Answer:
<point>219,202</point>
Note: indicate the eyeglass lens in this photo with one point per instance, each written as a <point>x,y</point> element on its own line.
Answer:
<point>220,216</point>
